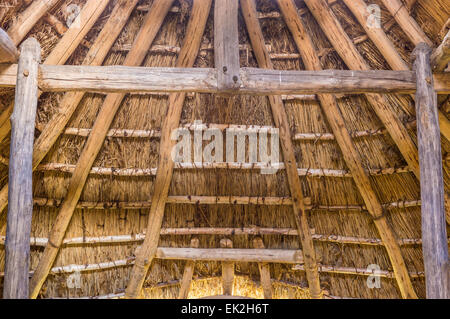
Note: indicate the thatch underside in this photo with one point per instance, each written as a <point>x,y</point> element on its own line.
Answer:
<point>146,112</point>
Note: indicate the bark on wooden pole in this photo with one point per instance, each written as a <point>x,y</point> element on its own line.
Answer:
<point>434,233</point>
<point>187,274</point>
<point>20,195</point>
<point>8,50</point>
<point>227,270</point>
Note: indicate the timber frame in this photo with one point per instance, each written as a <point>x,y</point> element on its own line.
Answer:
<point>227,79</point>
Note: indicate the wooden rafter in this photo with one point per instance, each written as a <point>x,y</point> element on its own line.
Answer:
<point>95,56</point>
<point>20,210</point>
<point>188,54</point>
<point>8,50</point>
<point>264,271</point>
<point>143,41</point>
<point>185,285</point>
<point>281,121</point>
<point>434,232</point>
<point>441,55</point>
<point>227,269</point>
<point>349,152</point>
<point>63,50</point>
<point>348,52</point>
<point>226,44</point>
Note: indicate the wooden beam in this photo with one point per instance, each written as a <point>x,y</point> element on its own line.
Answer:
<point>143,41</point>
<point>185,285</point>
<point>349,152</point>
<point>264,271</point>
<point>441,55</point>
<point>66,46</point>
<point>406,22</point>
<point>26,20</point>
<point>248,8</point>
<point>231,255</point>
<point>188,54</point>
<point>348,52</point>
<point>20,209</point>
<point>226,44</point>
<point>434,233</point>
<point>227,270</point>
<point>8,50</point>
<point>95,56</point>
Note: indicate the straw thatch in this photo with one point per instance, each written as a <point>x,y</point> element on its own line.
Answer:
<point>341,260</point>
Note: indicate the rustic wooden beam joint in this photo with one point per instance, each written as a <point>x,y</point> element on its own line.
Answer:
<point>8,50</point>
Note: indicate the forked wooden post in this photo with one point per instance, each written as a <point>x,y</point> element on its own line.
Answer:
<point>227,270</point>
<point>264,270</point>
<point>434,234</point>
<point>187,274</point>
<point>20,195</point>
<point>8,50</point>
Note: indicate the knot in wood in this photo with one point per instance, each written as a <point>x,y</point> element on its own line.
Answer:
<point>26,73</point>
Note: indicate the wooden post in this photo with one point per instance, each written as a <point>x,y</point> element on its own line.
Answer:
<point>434,234</point>
<point>264,270</point>
<point>281,121</point>
<point>187,274</point>
<point>226,44</point>
<point>8,50</point>
<point>441,55</point>
<point>227,270</point>
<point>20,208</point>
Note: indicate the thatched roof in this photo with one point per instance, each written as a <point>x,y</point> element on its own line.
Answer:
<point>115,198</point>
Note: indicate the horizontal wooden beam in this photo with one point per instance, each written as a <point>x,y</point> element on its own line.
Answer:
<point>122,79</point>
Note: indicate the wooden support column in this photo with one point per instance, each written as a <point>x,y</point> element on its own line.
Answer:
<point>188,54</point>
<point>351,156</point>
<point>227,270</point>
<point>63,50</point>
<point>70,101</point>
<point>226,44</point>
<point>187,274</point>
<point>441,55</point>
<point>434,233</point>
<point>348,52</point>
<point>20,209</point>
<point>8,50</point>
<point>264,271</point>
<point>281,121</point>
<point>111,104</point>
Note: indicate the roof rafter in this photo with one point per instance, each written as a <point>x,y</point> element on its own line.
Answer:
<point>352,158</point>
<point>248,8</point>
<point>146,253</point>
<point>111,104</point>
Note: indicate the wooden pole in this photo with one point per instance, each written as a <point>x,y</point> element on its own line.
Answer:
<point>349,152</point>
<point>248,8</point>
<point>20,209</point>
<point>226,44</point>
<point>188,54</point>
<point>8,50</point>
<point>227,270</point>
<point>441,55</point>
<point>187,274</point>
<point>434,233</point>
<point>264,271</point>
<point>95,56</point>
<point>143,41</point>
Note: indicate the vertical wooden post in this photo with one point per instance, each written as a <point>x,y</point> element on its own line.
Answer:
<point>227,269</point>
<point>264,270</point>
<point>8,50</point>
<point>187,274</point>
<point>226,44</point>
<point>20,197</point>
<point>434,234</point>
